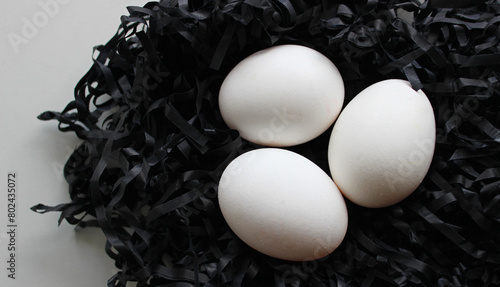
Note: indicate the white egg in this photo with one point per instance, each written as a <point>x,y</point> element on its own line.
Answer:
<point>282,204</point>
<point>382,144</point>
<point>282,96</point>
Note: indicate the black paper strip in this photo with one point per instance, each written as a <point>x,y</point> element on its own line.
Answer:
<point>154,144</point>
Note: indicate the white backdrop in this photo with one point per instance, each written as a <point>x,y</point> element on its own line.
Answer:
<point>46,47</point>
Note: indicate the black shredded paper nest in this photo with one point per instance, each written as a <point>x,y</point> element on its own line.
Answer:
<point>154,144</point>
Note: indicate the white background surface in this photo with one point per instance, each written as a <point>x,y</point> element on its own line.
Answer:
<point>39,74</point>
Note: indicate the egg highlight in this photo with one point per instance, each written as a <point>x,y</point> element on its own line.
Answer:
<point>282,204</point>
<point>282,96</point>
<point>382,144</point>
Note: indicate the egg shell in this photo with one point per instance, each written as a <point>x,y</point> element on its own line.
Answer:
<point>282,204</point>
<point>382,144</point>
<point>282,96</point>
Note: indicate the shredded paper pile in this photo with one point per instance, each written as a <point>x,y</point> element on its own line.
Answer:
<point>154,144</point>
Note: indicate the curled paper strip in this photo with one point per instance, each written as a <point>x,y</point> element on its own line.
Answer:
<point>154,144</point>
